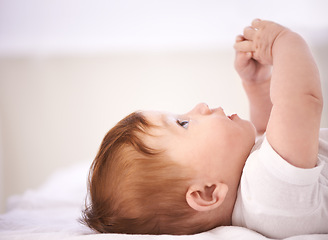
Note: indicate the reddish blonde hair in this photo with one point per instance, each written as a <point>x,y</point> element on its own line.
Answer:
<point>136,189</point>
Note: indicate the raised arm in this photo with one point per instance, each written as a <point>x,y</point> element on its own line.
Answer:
<point>295,91</point>
<point>256,79</point>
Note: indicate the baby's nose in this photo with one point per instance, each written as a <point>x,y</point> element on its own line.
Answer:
<point>201,108</point>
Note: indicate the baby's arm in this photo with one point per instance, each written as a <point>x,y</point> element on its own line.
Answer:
<point>256,79</point>
<point>295,92</point>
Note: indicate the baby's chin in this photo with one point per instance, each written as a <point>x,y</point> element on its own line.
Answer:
<point>248,127</point>
<point>250,135</point>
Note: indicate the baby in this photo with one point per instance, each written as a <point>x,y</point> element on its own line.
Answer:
<point>162,173</point>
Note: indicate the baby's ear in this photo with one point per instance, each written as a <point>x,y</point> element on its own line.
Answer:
<point>206,197</point>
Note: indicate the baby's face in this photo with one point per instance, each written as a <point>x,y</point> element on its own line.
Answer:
<point>213,144</point>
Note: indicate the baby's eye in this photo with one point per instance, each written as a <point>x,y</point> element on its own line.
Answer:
<point>183,123</point>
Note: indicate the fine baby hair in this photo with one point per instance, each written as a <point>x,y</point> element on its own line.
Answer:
<point>136,189</point>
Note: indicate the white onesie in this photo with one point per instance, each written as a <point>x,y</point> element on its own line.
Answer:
<point>279,200</point>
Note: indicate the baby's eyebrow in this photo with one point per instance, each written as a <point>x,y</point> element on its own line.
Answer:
<point>169,120</point>
<point>159,119</point>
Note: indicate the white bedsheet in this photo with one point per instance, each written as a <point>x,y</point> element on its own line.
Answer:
<point>51,212</point>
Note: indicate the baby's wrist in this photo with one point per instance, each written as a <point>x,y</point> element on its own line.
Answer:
<point>253,83</point>
<point>283,39</point>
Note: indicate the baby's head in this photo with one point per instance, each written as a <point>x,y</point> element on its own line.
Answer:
<point>161,173</point>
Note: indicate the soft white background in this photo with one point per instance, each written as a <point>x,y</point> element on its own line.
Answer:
<point>70,69</point>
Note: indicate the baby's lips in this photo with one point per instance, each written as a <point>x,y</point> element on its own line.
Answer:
<point>232,116</point>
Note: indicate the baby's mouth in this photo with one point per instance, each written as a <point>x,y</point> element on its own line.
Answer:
<point>232,116</point>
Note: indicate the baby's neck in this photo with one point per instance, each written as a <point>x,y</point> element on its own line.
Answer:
<point>228,206</point>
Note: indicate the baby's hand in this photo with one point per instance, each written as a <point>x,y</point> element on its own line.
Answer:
<point>259,39</point>
<point>249,69</point>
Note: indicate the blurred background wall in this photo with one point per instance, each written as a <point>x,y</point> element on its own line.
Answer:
<point>70,69</point>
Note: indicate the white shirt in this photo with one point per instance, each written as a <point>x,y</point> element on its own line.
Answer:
<point>279,200</point>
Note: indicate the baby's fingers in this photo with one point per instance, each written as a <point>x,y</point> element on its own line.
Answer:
<point>242,60</point>
<point>257,23</point>
<point>249,33</point>
<point>244,46</point>
<point>240,38</point>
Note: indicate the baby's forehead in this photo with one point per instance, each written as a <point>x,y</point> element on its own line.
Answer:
<point>160,123</point>
<point>152,114</point>
<point>158,118</point>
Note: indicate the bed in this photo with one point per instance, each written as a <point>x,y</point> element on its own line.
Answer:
<point>52,212</point>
